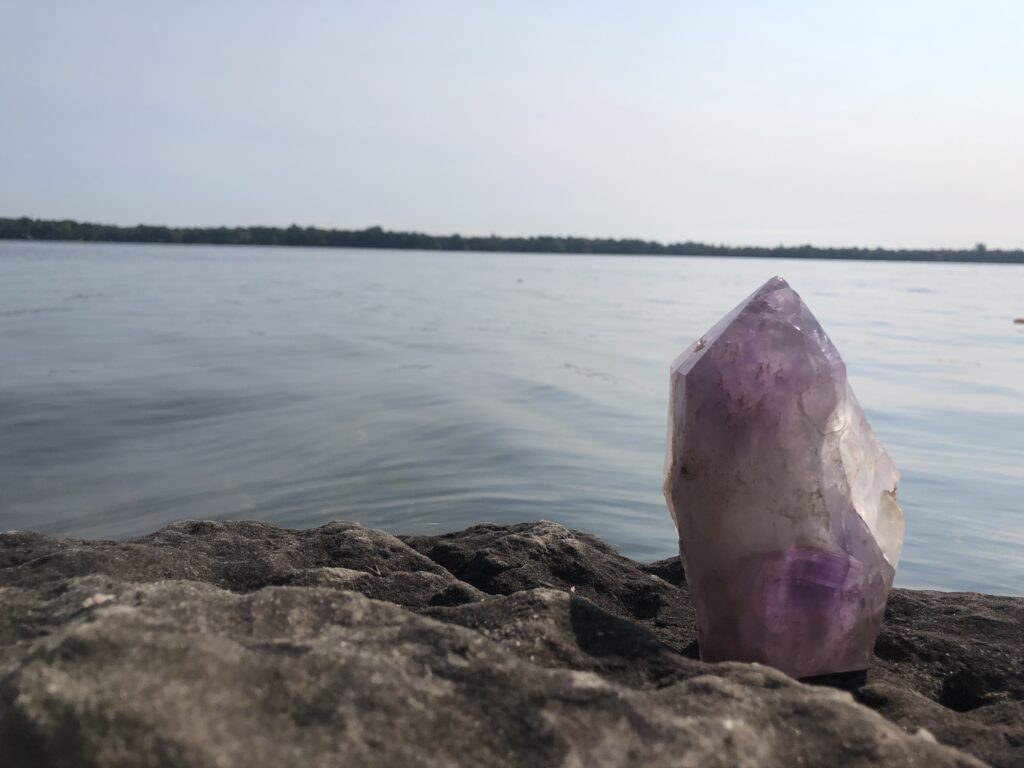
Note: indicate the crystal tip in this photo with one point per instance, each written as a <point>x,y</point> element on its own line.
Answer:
<point>775,284</point>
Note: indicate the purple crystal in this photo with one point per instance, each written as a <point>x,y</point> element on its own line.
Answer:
<point>784,499</point>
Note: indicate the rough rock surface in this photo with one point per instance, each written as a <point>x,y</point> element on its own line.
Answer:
<point>210,644</point>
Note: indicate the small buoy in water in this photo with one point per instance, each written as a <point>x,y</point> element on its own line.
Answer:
<point>1019,321</point>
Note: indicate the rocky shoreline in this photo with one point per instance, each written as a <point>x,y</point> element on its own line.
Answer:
<point>214,644</point>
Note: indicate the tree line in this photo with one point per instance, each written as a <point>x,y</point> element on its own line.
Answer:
<point>374,237</point>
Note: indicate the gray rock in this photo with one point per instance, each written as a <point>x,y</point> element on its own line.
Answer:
<point>211,644</point>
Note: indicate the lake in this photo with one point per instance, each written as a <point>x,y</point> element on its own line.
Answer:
<point>422,392</point>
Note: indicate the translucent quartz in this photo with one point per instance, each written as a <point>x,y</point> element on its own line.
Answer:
<point>784,499</point>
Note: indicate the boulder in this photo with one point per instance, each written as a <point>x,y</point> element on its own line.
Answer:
<point>211,644</point>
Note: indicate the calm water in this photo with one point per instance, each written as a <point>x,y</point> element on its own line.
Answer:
<point>422,392</point>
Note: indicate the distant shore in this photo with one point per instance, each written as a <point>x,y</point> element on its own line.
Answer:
<point>374,237</point>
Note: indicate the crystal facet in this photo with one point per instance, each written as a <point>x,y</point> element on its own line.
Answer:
<point>784,499</point>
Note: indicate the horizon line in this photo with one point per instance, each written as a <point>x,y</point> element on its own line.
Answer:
<point>70,230</point>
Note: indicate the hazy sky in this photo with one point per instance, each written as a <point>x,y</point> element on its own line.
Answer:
<point>867,123</point>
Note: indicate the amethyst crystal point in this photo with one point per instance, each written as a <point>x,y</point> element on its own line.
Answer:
<point>784,499</point>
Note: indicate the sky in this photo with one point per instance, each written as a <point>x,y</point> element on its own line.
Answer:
<point>898,124</point>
